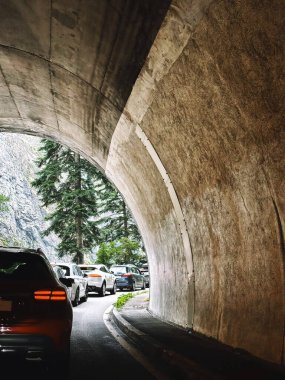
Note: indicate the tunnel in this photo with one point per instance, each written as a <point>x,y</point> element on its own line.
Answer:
<point>181,104</point>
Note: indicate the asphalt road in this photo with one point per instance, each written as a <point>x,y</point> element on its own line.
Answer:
<point>94,351</point>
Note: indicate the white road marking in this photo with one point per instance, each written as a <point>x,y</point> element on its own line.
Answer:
<point>137,355</point>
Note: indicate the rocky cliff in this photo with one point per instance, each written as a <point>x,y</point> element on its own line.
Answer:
<point>23,222</point>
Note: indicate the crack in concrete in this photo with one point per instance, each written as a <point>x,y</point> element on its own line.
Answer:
<point>244,204</point>
<point>52,95</point>
<point>50,28</point>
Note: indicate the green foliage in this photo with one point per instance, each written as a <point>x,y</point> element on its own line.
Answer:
<point>115,220</point>
<point>121,251</point>
<point>3,203</point>
<point>65,182</point>
<point>121,300</point>
<point>11,241</point>
<point>86,208</point>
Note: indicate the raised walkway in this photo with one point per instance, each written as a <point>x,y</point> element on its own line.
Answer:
<point>184,355</point>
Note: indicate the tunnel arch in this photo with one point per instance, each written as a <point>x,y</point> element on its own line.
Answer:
<point>204,103</point>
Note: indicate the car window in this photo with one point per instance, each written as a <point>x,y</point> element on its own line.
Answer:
<point>119,270</point>
<point>59,272</point>
<point>104,269</point>
<point>65,269</point>
<point>78,271</point>
<point>23,267</point>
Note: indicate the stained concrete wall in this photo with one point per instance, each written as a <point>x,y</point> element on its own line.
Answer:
<point>215,118</point>
<point>197,150</point>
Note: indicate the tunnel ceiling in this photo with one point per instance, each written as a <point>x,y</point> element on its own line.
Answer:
<point>66,63</point>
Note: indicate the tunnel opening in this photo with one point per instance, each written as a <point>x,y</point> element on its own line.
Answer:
<point>52,172</point>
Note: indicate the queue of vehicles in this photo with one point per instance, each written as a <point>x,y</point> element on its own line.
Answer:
<point>37,299</point>
<point>97,278</point>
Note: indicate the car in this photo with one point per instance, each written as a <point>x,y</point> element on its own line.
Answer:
<point>128,276</point>
<point>61,275</point>
<point>79,290</point>
<point>100,278</point>
<point>145,272</point>
<point>36,314</point>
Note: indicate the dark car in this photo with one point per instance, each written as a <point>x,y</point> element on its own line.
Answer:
<point>128,276</point>
<point>35,311</point>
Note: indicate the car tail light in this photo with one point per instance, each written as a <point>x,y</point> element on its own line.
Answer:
<point>94,275</point>
<point>127,275</point>
<point>50,295</point>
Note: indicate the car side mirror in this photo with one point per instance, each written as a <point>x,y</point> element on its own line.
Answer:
<point>85,275</point>
<point>111,271</point>
<point>67,281</point>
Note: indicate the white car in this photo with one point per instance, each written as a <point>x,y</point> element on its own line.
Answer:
<point>79,289</point>
<point>60,274</point>
<point>100,278</point>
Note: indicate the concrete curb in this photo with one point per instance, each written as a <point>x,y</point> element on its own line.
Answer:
<point>186,368</point>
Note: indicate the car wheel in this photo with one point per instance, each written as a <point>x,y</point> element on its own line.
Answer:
<point>76,299</point>
<point>102,291</point>
<point>114,290</point>
<point>85,297</point>
<point>143,286</point>
<point>133,288</point>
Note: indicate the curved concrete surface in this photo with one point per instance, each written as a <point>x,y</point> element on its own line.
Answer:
<point>182,105</point>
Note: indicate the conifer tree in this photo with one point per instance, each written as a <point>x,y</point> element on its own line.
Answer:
<point>65,182</point>
<point>87,209</point>
<point>115,220</point>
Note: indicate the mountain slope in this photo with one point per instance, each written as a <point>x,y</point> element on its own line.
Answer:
<point>23,222</point>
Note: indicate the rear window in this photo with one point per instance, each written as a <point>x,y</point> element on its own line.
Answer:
<point>119,270</point>
<point>23,267</point>
<point>86,269</point>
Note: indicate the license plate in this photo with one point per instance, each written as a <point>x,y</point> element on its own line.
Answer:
<point>5,305</point>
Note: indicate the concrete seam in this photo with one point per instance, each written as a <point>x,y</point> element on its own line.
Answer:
<point>63,68</point>
<point>52,94</point>
<point>174,199</point>
<point>282,249</point>
<point>172,193</point>
<point>50,27</point>
<point>11,94</point>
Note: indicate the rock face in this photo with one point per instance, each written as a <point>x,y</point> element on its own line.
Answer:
<point>23,222</point>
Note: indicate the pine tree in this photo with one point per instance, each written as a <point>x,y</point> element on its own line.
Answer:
<point>65,182</point>
<point>115,220</point>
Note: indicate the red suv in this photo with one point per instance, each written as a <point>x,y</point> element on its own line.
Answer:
<point>35,311</point>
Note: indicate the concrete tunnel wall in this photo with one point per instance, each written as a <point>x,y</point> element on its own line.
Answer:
<point>216,122</point>
<point>197,152</point>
